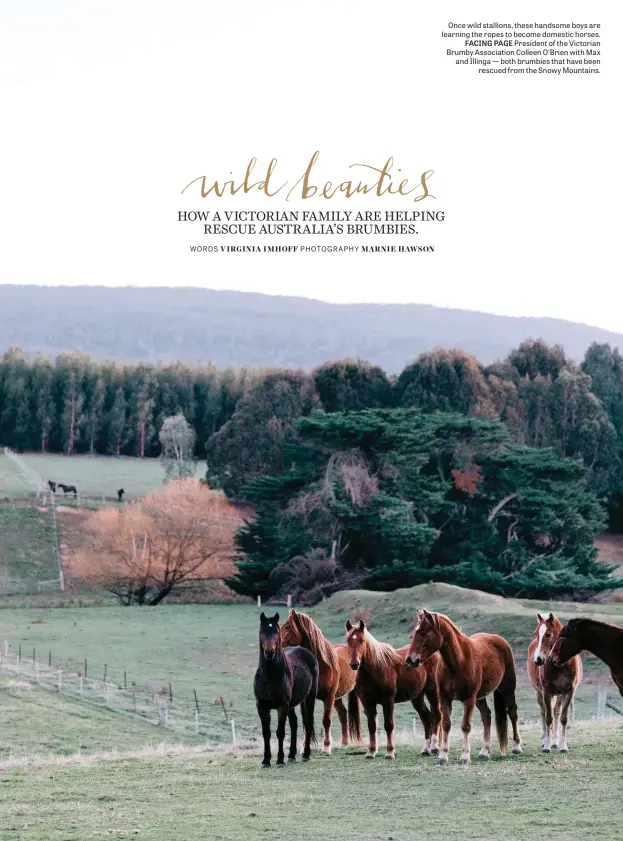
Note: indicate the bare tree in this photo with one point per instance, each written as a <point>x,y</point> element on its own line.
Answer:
<point>181,532</point>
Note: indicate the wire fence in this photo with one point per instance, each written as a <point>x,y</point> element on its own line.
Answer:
<point>157,705</point>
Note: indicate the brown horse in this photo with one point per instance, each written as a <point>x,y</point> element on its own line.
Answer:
<point>473,667</point>
<point>601,639</point>
<point>382,678</point>
<point>552,681</point>
<point>336,676</point>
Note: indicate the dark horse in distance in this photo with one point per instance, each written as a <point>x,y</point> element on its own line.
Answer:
<point>285,678</point>
<point>601,639</point>
<point>68,489</point>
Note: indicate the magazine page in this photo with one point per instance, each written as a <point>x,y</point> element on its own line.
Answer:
<point>311,420</point>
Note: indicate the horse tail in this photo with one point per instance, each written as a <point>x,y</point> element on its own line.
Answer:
<point>310,703</point>
<point>501,719</point>
<point>354,717</point>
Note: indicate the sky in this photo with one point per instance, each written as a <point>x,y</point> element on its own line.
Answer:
<point>111,107</point>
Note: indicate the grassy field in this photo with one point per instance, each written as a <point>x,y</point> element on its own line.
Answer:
<point>12,483</point>
<point>101,475</point>
<point>172,794</point>
<point>69,770</point>
<point>213,648</point>
<point>27,548</point>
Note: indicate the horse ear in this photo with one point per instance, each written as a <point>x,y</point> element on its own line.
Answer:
<point>262,617</point>
<point>539,617</point>
<point>292,613</point>
<point>361,625</point>
<point>550,618</point>
<point>276,618</point>
<point>349,625</point>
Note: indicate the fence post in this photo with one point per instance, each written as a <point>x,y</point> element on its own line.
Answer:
<point>414,728</point>
<point>289,600</point>
<point>233,732</point>
<point>37,672</point>
<point>259,601</point>
<point>19,653</point>
<point>60,680</point>
<point>6,648</point>
<point>196,721</point>
<point>85,666</point>
<point>81,684</point>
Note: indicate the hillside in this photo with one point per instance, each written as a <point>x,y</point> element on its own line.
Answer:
<point>236,328</point>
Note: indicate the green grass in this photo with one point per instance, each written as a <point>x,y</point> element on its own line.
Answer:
<point>12,483</point>
<point>101,475</point>
<point>206,796</point>
<point>27,548</point>
<point>213,648</point>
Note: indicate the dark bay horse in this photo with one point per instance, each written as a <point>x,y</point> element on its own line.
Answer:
<point>550,681</point>
<point>472,668</point>
<point>285,678</point>
<point>601,639</point>
<point>383,678</point>
<point>336,677</point>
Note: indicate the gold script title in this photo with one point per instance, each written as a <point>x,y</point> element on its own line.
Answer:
<point>378,182</point>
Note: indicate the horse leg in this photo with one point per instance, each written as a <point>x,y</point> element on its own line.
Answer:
<point>372,717</point>
<point>547,703</point>
<point>565,703</point>
<point>326,722</point>
<point>388,718</point>
<point>466,727</point>
<point>446,724</point>
<point>425,717</point>
<point>556,726</point>
<point>264,715</point>
<point>431,690</point>
<point>307,710</point>
<point>485,714</point>
<point>293,728</point>
<point>343,717</point>
<point>282,715</point>
<point>544,735</point>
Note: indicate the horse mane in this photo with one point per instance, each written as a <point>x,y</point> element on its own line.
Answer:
<point>577,622</point>
<point>381,654</point>
<point>318,643</point>
<point>449,622</point>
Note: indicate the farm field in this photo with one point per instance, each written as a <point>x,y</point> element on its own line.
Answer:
<point>101,475</point>
<point>27,548</point>
<point>197,795</point>
<point>213,648</point>
<point>12,483</point>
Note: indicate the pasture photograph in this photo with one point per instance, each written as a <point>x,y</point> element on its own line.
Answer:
<point>311,422</point>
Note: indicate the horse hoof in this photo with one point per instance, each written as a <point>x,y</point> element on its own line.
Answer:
<point>281,765</point>
<point>434,751</point>
<point>292,759</point>
<point>426,752</point>
<point>564,750</point>
<point>517,749</point>
<point>305,759</point>
<point>464,760</point>
<point>545,749</point>
<point>391,755</point>
<point>484,754</point>
<point>442,760</point>
<point>327,751</point>
<point>370,755</point>
<point>265,764</point>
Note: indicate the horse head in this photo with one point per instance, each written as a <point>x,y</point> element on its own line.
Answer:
<point>567,643</point>
<point>547,630</point>
<point>356,642</point>
<point>291,631</point>
<point>427,638</point>
<point>270,638</point>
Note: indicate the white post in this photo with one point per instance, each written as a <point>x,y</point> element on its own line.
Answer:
<point>289,600</point>
<point>233,731</point>
<point>81,685</point>
<point>107,693</point>
<point>37,671</point>
<point>414,729</point>
<point>60,680</point>
<point>196,721</point>
<point>6,648</point>
<point>259,601</point>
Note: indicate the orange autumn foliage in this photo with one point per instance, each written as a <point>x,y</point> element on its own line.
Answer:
<point>180,532</point>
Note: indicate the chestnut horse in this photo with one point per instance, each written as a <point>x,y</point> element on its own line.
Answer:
<point>551,681</point>
<point>383,678</point>
<point>601,639</point>
<point>285,678</point>
<point>336,676</point>
<point>472,668</point>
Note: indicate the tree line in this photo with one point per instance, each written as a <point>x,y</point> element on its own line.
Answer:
<point>241,418</point>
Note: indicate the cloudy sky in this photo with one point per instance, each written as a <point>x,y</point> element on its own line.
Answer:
<point>110,107</point>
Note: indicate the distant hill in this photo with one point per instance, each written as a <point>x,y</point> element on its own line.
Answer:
<point>241,328</point>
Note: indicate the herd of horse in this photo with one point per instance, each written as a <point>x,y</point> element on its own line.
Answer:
<point>72,489</point>
<point>441,665</point>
